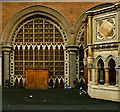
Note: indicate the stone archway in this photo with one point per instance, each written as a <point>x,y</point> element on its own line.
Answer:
<point>13,25</point>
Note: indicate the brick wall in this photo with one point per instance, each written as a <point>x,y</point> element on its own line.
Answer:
<point>71,10</point>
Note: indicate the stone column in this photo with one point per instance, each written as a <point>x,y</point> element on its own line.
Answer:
<point>106,76</point>
<point>89,75</point>
<point>96,75</point>
<point>117,75</point>
<point>0,69</point>
<point>90,33</point>
<point>85,41</point>
<point>6,52</point>
<point>72,58</point>
<point>90,53</point>
<point>118,70</point>
<point>85,54</point>
<point>72,64</point>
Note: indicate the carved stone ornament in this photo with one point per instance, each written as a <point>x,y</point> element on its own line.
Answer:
<point>106,29</point>
<point>72,30</point>
<point>90,61</point>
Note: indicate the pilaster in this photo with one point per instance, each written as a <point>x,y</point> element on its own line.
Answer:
<point>6,52</point>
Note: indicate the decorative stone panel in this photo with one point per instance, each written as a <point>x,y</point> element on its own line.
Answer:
<point>105,28</point>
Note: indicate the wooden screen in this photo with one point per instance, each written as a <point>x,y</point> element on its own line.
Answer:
<point>36,79</point>
<point>41,46</point>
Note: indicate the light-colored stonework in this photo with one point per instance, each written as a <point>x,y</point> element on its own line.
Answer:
<point>95,31</point>
<point>105,48</point>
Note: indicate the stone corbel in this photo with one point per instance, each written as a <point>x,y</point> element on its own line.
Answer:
<point>72,34</point>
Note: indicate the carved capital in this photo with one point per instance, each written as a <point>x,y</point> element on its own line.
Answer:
<point>89,13</point>
<point>85,61</point>
<point>90,62</point>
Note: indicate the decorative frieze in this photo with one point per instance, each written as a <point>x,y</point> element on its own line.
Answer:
<point>105,47</point>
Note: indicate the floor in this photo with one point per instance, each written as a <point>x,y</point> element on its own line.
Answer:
<point>52,99</point>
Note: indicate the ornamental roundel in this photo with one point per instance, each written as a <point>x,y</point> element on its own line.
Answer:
<point>106,29</point>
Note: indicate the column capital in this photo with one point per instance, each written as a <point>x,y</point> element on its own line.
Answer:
<point>0,54</point>
<point>85,61</point>
<point>90,61</point>
<point>72,48</point>
<point>89,13</point>
<point>84,21</point>
<point>6,48</point>
<point>106,68</point>
<point>117,67</point>
<point>96,68</point>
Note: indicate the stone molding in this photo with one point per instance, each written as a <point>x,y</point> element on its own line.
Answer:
<point>72,48</point>
<point>6,48</point>
<point>104,10</point>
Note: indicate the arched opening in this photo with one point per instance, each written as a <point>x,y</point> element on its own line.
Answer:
<point>26,53</point>
<point>16,53</point>
<point>46,54</point>
<point>43,45</point>
<point>36,53</point>
<point>101,72</point>
<point>61,83</point>
<point>51,53</point>
<point>51,83</point>
<point>21,53</point>
<point>21,82</point>
<point>61,54</point>
<point>30,54</point>
<point>56,53</point>
<point>81,64</point>
<point>41,53</point>
<point>112,72</point>
<point>56,83</point>
<point>16,83</point>
<point>82,84</point>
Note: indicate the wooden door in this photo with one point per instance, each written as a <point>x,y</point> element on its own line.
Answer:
<point>37,79</point>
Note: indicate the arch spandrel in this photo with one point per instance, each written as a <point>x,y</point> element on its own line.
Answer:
<point>78,24</point>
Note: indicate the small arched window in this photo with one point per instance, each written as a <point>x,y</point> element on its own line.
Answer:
<point>51,53</point>
<point>101,77</point>
<point>31,54</point>
<point>36,53</point>
<point>56,84</point>
<point>16,83</point>
<point>61,53</point>
<point>56,53</point>
<point>21,53</point>
<point>41,53</point>
<point>61,83</point>
<point>51,83</point>
<point>46,54</point>
<point>26,53</point>
<point>112,72</point>
<point>16,53</point>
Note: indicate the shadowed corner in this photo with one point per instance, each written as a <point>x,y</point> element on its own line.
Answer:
<point>0,56</point>
<point>0,98</point>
